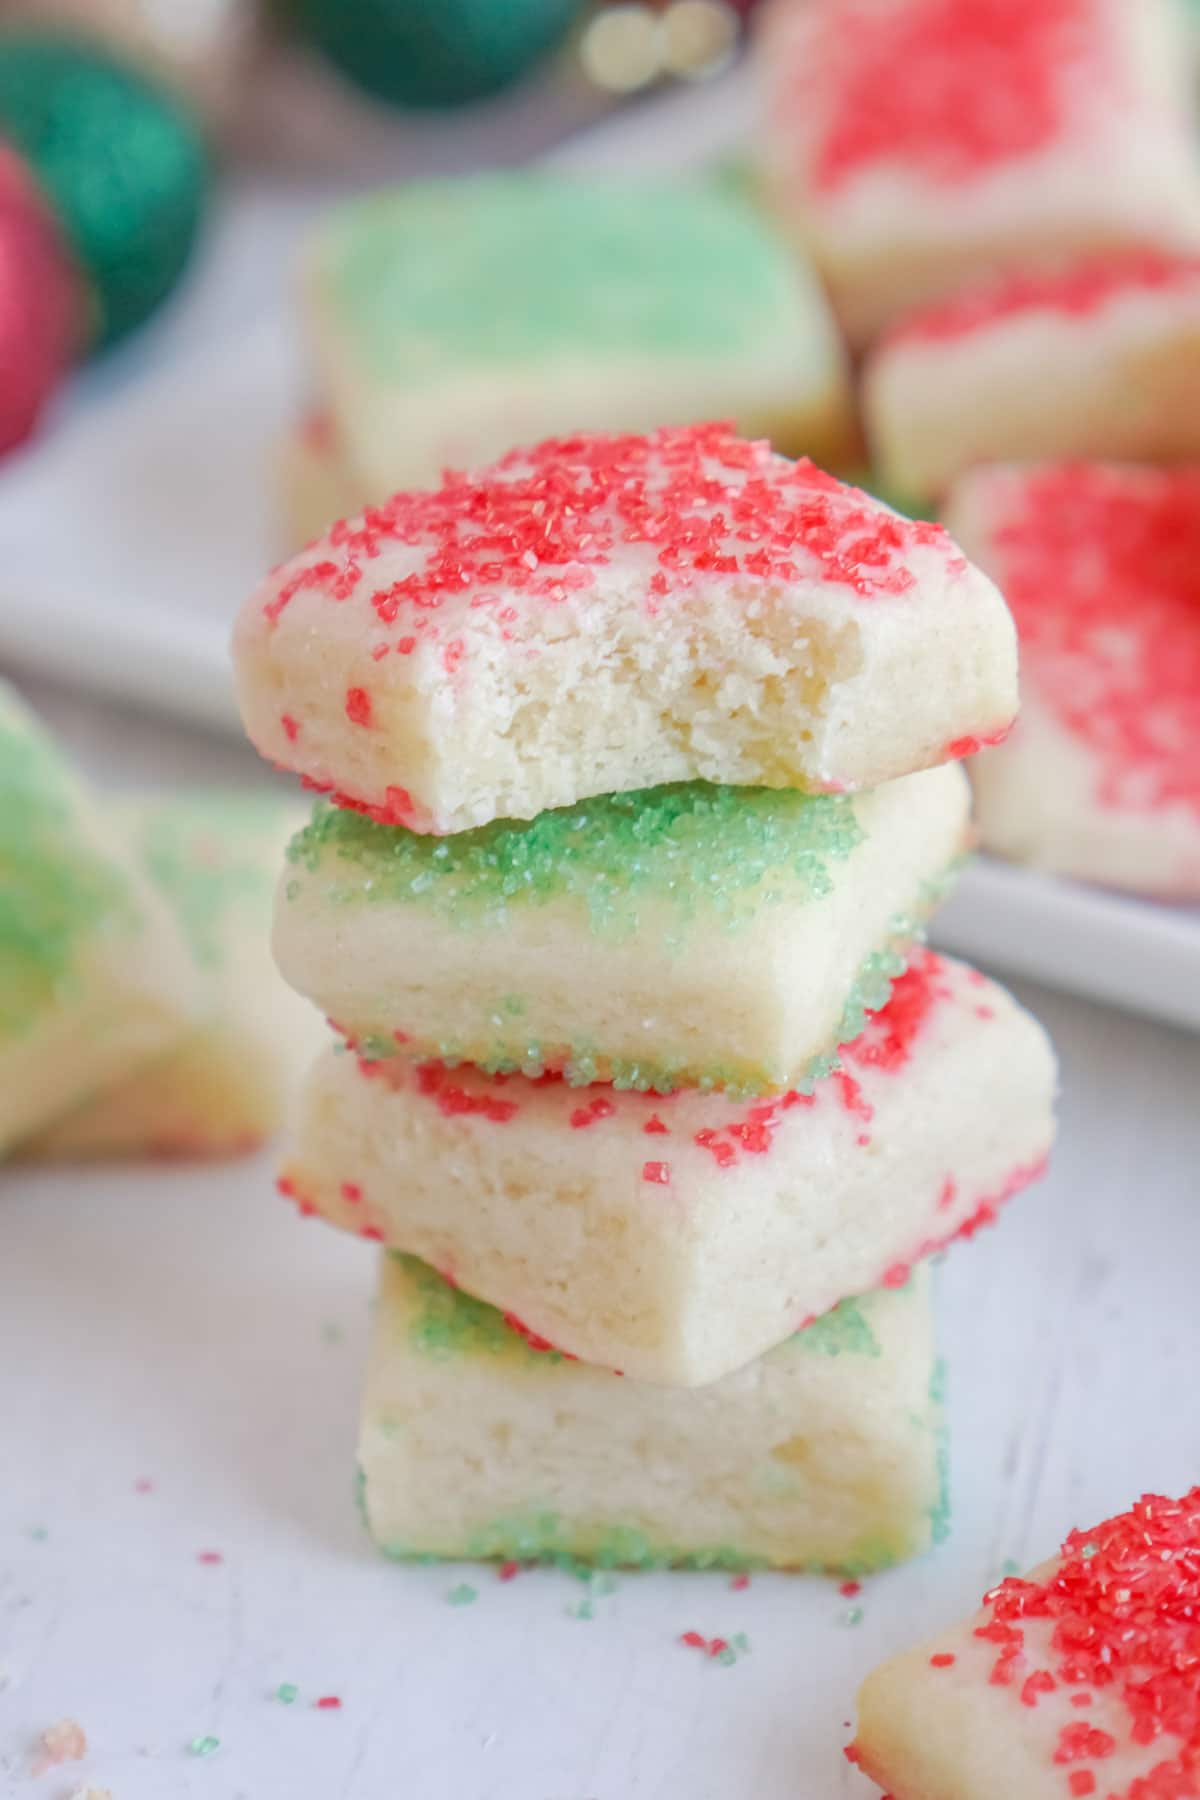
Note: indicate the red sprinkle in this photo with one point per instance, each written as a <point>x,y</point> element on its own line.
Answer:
<point>358,706</point>
<point>291,729</point>
<point>944,1659</point>
<point>1077,291</point>
<point>654,1127</point>
<point>508,1571</point>
<point>327,1703</point>
<point>985,83</point>
<point>740,1583</point>
<point>848,1589</point>
<point>658,1172</point>
<point>209,1556</point>
<point>351,1192</point>
<point>1110,641</point>
<point>1081,1782</point>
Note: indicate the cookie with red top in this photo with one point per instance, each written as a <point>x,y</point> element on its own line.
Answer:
<point>1079,1679</point>
<point>605,613</point>
<point>448,321</point>
<point>678,1236</point>
<point>1098,360</point>
<point>915,144</point>
<point>1101,566</point>
<point>479,1439</point>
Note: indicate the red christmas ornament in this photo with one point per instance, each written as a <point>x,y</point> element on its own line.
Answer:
<point>41,303</point>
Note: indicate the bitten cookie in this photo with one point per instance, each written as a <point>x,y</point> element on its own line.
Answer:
<point>724,937</point>
<point>1098,360</point>
<point>1079,1679</point>
<point>449,321</point>
<point>916,144</point>
<point>1101,565</point>
<point>480,1441</point>
<point>676,1237</point>
<point>600,614</point>
<point>225,1086</point>
<point>95,977</point>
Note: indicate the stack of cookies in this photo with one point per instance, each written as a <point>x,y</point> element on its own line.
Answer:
<point>642,763</point>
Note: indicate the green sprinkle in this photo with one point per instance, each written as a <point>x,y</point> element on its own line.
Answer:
<point>287,1692</point>
<point>209,853</point>
<point>691,848</point>
<point>449,1322</point>
<point>1087,1553</point>
<point>56,889</point>
<point>741,1642</point>
<point>853,1615</point>
<point>726,1656</point>
<point>462,1595</point>
<point>38,1533</point>
<point>529,269</point>
<point>204,1746</point>
<point>583,1610</point>
<point>1010,1566</point>
<point>845,1331</point>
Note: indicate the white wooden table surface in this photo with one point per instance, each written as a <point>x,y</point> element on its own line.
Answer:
<point>183,1329</point>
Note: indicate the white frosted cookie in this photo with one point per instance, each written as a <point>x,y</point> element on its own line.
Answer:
<point>95,977</point>
<point>601,614</point>
<point>450,321</point>
<point>224,1087</point>
<point>914,145</point>
<point>480,1441</point>
<point>676,1237</point>
<point>314,485</point>
<point>1099,360</point>
<point>1101,565</point>
<point>1079,1679</point>
<point>720,937</point>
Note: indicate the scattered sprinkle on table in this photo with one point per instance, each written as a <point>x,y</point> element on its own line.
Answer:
<point>64,1742</point>
<point>287,1692</point>
<point>853,1615</point>
<point>849,1589</point>
<point>209,1556</point>
<point>462,1595</point>
<point>328,1703</point>
<point>717,1649</point>
<point>204,1746</point>
<point>143,1485</point>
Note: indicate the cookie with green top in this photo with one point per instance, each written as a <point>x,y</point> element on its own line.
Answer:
<point>449,320</point>
<point>676,1237</point>
<point>224,1087</point>
<point>95,977</point>
<point>713,936</point>
<point>479,1441</point>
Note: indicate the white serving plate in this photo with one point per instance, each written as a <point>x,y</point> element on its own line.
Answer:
<point>130,533</point>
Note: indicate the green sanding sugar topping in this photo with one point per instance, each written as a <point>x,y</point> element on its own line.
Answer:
<point>521,268</point>
<point>693,847</point>
<point>449,1322</point>
<point>846,1331</point>
<point>54,888</point>
<point>547,1537</point>
<point>208,853</point>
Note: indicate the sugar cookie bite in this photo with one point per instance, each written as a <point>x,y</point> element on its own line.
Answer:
<point>1099,359</point>
<point>601,614</point>
<point>826,1455</point>
<point>677,1236</point>
<point>96,979</point>
<point>1101,566</point>
<point>447,321</point>
<point>1076,1680</point>
<point>914,145</point>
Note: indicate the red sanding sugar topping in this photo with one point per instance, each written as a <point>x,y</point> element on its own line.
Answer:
<point>947,88</point>
<point>436,1082</point>
<point>1101,567</point>
<point>1123,1606</point>
<point>1076,291</point>
<point>540,523</point>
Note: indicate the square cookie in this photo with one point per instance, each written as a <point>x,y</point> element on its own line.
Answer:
<point>678,1237</point>
<point>718,937</point>
<point>224,1087</point>
<point>915,145</point>
<point>475,1442</point>
<point>1101,566</point>
<point>1076,1680</point>
<point>96,979</point>
<point>449,321</point>
<point>602,614</point>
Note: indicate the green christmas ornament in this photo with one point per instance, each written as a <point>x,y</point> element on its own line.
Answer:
<point>435,53</point>
<point>121,163</point>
